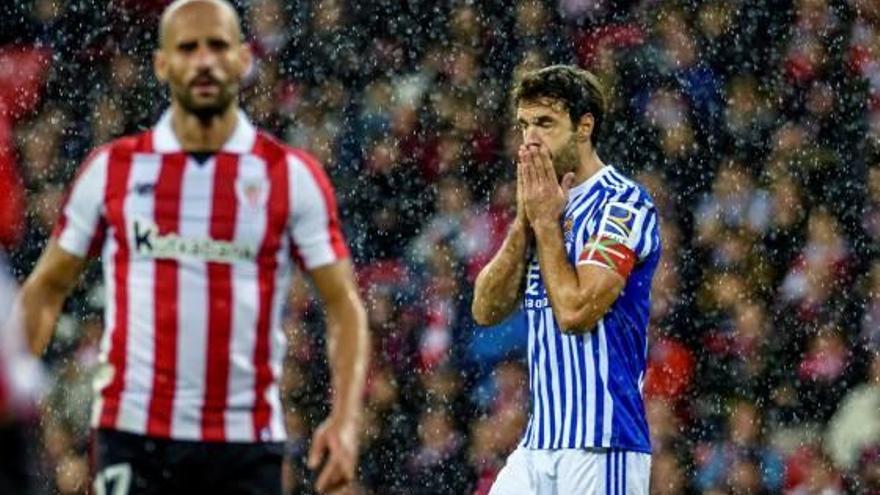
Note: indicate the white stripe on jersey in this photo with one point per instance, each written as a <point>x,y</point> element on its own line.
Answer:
<point>310,233</point>
<point>192,279</point>
<point>278,347</point>
<point>80,219</point>
<point>108,251</point>
<point>139,347</point>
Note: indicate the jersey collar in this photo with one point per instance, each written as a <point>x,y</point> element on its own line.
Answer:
<point>588,184</point>
<point>241,141</point>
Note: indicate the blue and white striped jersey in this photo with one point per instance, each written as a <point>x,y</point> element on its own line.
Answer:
<point>586,389</point>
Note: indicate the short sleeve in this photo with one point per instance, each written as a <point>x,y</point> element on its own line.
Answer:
<point>624,235</point>
<point>79,225</point>
<point>315,229</point>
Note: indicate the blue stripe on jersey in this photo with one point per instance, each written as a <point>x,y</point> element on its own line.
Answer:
<point>558,378</point>
<point>608,460</point>
<point>549,420</point>
<point>531,356</point>
<point>586,389</point>
<point>604,403</point>
<point>539,386</point>
<point>644,244</point>
<point>573,377</point>
<point>553,385</point>
<point>577,207</point>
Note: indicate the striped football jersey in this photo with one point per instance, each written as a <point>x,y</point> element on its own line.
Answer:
<point>197,259</point>
<point>586,388</point>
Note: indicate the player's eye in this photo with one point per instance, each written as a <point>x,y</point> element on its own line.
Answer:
<point>218,45</point>
<point>188,47</point>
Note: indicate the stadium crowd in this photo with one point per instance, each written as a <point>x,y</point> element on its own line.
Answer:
<point>755,124</point>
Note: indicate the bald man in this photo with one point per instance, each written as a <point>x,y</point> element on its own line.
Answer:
<point>198,223</point>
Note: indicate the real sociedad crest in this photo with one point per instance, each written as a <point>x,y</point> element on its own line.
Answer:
<point>567,234</point>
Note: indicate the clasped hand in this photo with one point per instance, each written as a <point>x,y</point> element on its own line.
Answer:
<point>541,195</point>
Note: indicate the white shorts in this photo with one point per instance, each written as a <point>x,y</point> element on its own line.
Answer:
<point>573,472</point>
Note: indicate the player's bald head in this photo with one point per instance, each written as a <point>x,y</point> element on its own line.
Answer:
<point>182,13</point>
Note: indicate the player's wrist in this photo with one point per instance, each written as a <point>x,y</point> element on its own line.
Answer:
<point>545,226</point>
<point>351,415</point>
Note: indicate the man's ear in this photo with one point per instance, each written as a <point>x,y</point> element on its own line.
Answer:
<point>160,65</point>
<point>585,127</point>
<point>246,58</point>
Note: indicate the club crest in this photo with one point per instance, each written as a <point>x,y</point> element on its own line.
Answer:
<point>567,225</point>
<point>252,193</point>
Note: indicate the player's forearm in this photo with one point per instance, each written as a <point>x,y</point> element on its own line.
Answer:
<point>497,288</point>
<point>39,305</point>
<point>348,351</point>
<point>576,308</point>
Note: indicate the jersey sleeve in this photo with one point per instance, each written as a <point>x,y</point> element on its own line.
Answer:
<point>625,235</point>
<point>79,226</point>
<point>315,231</point>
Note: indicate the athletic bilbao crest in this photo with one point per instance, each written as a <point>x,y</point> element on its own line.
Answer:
<point>252,193</point>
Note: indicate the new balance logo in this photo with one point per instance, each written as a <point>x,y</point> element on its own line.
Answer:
<point>144,188</point>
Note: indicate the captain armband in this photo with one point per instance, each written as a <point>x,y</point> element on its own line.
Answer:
<point>609,253</point>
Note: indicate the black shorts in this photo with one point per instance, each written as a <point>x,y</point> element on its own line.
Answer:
<point>16,470</point>
<point>128,464</point>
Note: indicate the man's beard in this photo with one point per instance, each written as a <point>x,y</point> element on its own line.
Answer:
<point>566,159</point>
<point>205,112</point>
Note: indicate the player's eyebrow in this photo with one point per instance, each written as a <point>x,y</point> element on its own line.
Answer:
<point>187,45</point>
<point>543,119</point>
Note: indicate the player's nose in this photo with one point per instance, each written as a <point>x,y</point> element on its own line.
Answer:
<point>204,57</point>
<point>533,139</point>
<point>532,136</point>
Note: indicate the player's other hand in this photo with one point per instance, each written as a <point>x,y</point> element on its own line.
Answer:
<point>335,443</point>
<point>543,197</point>
<point>521,216</point>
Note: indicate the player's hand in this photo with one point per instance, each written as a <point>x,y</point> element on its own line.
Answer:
<point>544,197</point>
<point>521,216</point>
<point>336,443</point>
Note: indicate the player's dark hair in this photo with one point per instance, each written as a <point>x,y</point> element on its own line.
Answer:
<point>578,89</point>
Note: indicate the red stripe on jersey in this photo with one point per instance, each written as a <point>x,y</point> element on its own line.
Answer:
<point>166,214</point>
<point>337,241</point>
<point>115,191</point>
<point>98,238</point>
<point>223,218</point>
<point>278,209</point>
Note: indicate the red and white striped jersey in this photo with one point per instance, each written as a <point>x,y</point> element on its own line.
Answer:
<point>197,260</point>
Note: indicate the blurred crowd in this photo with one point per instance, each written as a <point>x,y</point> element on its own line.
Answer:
<point>755,124</point>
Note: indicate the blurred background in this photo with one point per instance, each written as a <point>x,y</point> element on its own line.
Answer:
<point>755,124</point>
